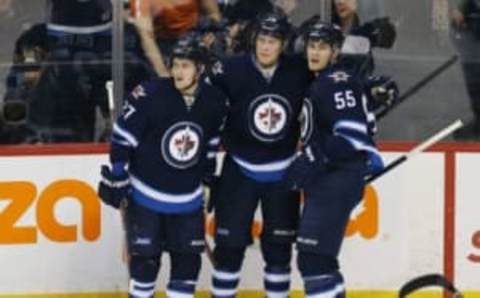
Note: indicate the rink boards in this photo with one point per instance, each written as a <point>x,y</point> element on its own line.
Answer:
<point>55,236</point>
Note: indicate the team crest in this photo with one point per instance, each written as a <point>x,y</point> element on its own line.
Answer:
<point>269,116</point>
<point>181,145</point>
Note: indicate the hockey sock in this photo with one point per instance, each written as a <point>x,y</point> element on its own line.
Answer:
<point>277,281</point>
<point>185,268</point>
<point>324,286</point>
<point>226,276</point>
<point>276,278</point>
<point>181,289</point>
<point>143,274</point>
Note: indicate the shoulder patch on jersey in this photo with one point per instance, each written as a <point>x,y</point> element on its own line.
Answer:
<point>217,68</point>
<point>139,92</point>
<point>339,76</point>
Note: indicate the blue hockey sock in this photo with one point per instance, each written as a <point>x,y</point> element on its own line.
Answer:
<point>181,289</point>
<point>277,281</point>
<point>225,283</point>
<point>137,289</point>
<point>324,286</point>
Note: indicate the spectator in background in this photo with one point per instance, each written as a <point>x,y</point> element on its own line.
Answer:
<point>7,17</point>
<point>286,6</point>
<point>241,16</point>
<point>23,77</point>
<point>161,22</point>
<point>15,15</point>
<point>213,37</point>
<point>361,38</point>
<point>466,23</point>
<point>244,9</point>
<point>72,85</point>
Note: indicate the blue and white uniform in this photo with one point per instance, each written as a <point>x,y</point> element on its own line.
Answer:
<point>169,147</point>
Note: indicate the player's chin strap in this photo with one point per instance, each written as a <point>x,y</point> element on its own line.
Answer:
<point>428,280</point>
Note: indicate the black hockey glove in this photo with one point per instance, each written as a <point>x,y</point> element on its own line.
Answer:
<point>381,91</point>
<point>113,189</point>
<point>381,32</point>
<point>307,165</point>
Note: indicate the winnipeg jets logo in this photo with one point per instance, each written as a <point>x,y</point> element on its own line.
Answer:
<point>339,76</point>
<point>270,114</point>
<point>184,144</point>
<point>181,144</point>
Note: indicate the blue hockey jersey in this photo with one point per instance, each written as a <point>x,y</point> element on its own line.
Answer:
<point>262,128</point>
<point>169,146</point>
<point>336,117</point>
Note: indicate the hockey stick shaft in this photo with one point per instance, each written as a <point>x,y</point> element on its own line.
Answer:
<point>208,248</point>
<point>421,147</point>
<point>124,202</point>
<point>111,101</point>
<point>420,84</point>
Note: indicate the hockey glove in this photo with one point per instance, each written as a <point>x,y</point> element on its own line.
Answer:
<point>374,163</point>
<point>305,167</point>
<point>381,32</point>
<point>382,91</point>
<point>113,188</point>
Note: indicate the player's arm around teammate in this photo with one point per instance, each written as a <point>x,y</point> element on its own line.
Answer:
<point>266,91</point>
<point>162,148</point>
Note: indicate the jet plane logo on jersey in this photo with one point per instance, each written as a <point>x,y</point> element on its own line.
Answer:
<point>270,114</point>
<point>181,145</point>
<point>339,76</point>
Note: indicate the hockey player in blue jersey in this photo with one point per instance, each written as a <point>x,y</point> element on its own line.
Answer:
<point>266,90</point>
<point>338,153</point>
<point>163,146</point>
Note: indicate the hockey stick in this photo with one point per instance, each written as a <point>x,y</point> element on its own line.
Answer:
<point>419,85</point>
<point>208,248</point>
<point>428,280</point>
<point>124,202</point>
<point>421,147</point>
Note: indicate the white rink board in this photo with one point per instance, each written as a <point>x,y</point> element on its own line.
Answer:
<point>467,222</point>
<point>410,235</point>
<point>409,240</point>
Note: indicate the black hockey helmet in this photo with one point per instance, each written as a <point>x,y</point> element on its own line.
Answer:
<point>273,23</point>
<point>188,47</point>
<point>329,33</point>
